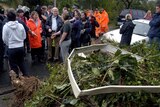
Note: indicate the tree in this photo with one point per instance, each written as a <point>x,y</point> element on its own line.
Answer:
<point>33,2</point>
<point>127,3</point>
<point>11,3</point>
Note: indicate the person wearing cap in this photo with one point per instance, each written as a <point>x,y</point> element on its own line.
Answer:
<point>23,20</point>
<point>49,10</point>
<point>20,15</point>
<point>44,13</point>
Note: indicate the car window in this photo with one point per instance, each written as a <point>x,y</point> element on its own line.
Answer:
<point>141,14</point>
<point>124,12</point>
<point>141,28</point>
<point>136,14</point>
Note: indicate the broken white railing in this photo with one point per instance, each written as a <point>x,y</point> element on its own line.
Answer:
<point>104,89</point>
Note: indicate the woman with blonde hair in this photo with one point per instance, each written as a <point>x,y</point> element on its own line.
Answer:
<point>126,31</point>
<point>35,40</point>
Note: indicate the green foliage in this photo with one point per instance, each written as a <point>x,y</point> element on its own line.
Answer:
<point>56,91</point>
<point>65,3</point>
<point>148,73</point>
<point>52,89</point>
<point>99,69</point>
<point>144,5</point>
<point>12,3</point>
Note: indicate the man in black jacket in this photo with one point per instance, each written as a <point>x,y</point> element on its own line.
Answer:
<point>53,24</point>
<point>154,32</point>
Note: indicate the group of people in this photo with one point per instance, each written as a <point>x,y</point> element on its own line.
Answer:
<point>44,28</point>
<point>153,33</point>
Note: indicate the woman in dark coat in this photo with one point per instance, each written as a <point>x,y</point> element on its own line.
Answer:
<point>127,31</point>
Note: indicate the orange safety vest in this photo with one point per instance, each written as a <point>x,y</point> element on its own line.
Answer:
<point>104,22</point>
<point>97,15</point>
<point>35,41</point>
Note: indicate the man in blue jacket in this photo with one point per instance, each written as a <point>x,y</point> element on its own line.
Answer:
<point>154,32</point>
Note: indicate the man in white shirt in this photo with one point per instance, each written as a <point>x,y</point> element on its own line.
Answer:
<point>53,24</point>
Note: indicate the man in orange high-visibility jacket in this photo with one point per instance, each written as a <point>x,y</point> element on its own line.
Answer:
<point>97,15</point>
<point>104,20</point>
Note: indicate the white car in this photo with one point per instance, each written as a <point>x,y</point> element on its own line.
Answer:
<point>139,34</point>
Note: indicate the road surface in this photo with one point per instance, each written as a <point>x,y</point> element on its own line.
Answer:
<point>6,90</point>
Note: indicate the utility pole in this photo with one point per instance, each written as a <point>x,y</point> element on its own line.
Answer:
<point>54,3</point>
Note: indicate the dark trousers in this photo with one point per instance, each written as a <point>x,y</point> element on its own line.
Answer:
<point>16,60</point>
<point>37,52</point>
<point>75,43</point>
<point>26,42</point>
<point>155,41</point>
